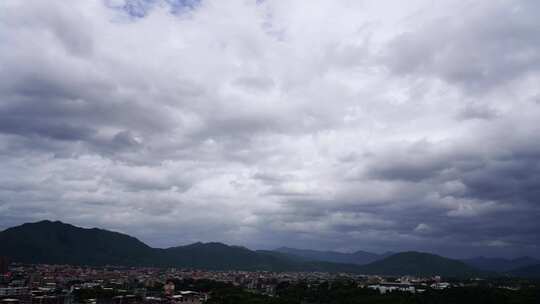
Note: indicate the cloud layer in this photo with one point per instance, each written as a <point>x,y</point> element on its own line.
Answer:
<point>338,125</point>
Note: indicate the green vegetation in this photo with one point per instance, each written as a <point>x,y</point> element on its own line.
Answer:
<point>349,293</point>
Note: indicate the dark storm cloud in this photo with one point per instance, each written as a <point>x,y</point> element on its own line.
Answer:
<point>495,194</point>
<point>410,163</point>
<point>508,171</point>
<point>15,125</point>
<point>125,139</point>
<point>510,180</point>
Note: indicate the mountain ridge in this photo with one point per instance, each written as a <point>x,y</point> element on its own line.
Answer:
<point>358,257</point>
<point>421,264</point>
<point>55,242</point>
<point>531,271</point>
<point>500,264</point>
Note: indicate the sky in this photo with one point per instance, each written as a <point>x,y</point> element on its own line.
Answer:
<point>336,125</point>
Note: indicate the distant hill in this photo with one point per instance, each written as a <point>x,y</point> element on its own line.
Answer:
<point>531,271</point>
<point>500,264</point>
<point>418,263</point>
<point>219,256</point>
<point>60,243</point>
<point>358,257</point>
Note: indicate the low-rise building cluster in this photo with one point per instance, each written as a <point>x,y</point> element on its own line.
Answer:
<point>64,284</point>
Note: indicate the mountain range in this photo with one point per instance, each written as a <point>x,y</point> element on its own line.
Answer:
<point>59,243</point>
<point>358,257</point>
<point>413,263</point>
<point>499,265</point>
<point>531,271</point>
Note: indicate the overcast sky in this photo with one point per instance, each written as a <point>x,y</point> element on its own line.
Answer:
<point>341,125</point>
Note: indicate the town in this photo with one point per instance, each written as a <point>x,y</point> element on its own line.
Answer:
<point>65,284</point>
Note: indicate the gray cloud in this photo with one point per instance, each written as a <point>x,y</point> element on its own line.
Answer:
<point>489,45</point>
<point>390,128</point>
<point>474,111</point>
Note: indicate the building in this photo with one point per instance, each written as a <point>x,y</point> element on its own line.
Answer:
<point>49,299</point>
<point>169,288</point>
<point>22,295</point>
<point>4,265</point>
<point>190,297</point>
<point>385,287</point>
